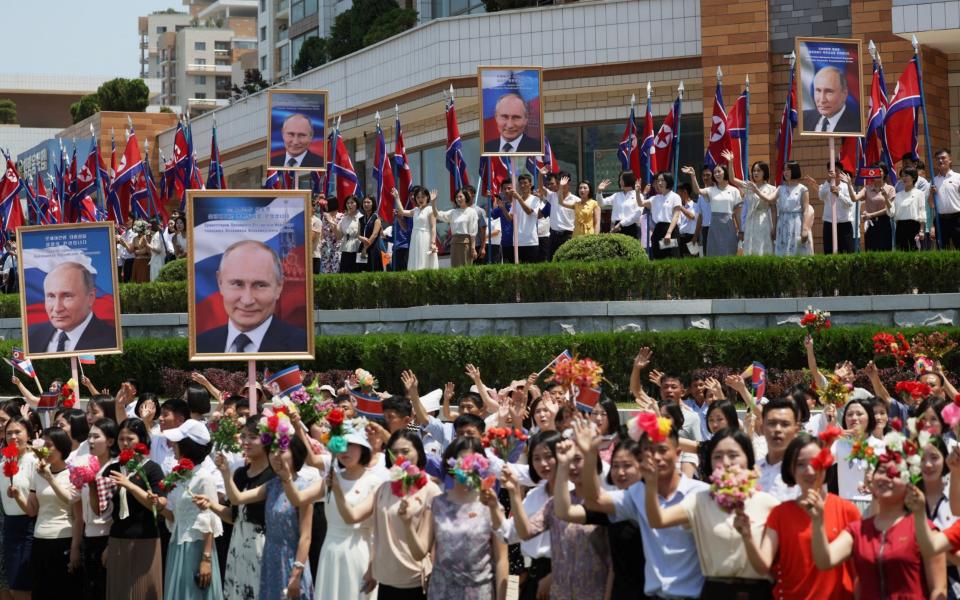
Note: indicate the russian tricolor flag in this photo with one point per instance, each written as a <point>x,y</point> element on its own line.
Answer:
<point>288,380</point>
<point>87,359</point>
<point>22,363</point>
<point>369,406</point>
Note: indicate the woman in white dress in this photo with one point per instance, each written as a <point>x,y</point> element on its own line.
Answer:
<point>725,204</point>
<point>158,250</point>
<point>423,247</point>
<point>793,200</point>
<point>760,202</point>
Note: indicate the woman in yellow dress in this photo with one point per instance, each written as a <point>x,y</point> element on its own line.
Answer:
<point>586,211</point>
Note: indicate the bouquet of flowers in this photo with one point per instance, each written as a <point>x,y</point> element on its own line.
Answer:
<point>11,465</point>
<point>405,477</point>
<point>835,392</point>
<point>732,486</point>
<point>504,440</point>
<point>365,381</point>
<point>68,395</point>
<point>83,470</point>
<point>894,346</point>
<point>182,471</point>
<point>132,459</point>
<point>933,345</point>
<point>656,428</point>
<point>951,413</point>
<point>473,470</point>
<point>815,320</point>
<point>275,427</point>
<point>335,439</point>
<point>39,448</point>
<point>912,390</point>
<point>584,373</point>
<point>308,402</point>
<point>901,454</point>
<point>225,432</point>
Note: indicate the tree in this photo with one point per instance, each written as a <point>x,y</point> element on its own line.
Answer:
<point>8,112</point>
<point>88,105</point>
<point>351,26</point>
<point>390,24</point>
<point>253,82</point>
<point>313,53</point>
<point>124,95</point>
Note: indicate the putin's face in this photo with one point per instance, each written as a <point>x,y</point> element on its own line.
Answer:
<point>66,297</point>
<point>829,92</point>
<point>511,117</point>
<point>297,135</point>
<point>248,284</point>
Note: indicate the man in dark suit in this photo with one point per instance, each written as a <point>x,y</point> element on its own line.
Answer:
<point>511,113</point>
<point>297,133</point>
<point>69,293</point>
<point>250,280</point>
<point>832,113</point>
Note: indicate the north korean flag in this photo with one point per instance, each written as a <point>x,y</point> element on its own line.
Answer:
<point>900,124</point>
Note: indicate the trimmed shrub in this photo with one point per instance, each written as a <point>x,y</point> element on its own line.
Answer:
<point>594,248</point>
<point>175,270</point>
<point>439,359</point>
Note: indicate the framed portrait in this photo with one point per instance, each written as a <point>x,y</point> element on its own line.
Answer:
<point>830,87</point>
<point>511,108</point>
<point>297,130</point>
<point>249,275</point>
<point>69,302</point>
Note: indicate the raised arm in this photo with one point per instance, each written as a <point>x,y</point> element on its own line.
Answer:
<point>525,530</point>
<point>641,362</point>
<point>931,542</point>
<point>90,387</point>
<point>237,497</point>
<point>198,377</point>
<point>32,399</point>
<point>854,194</point>
<point>489,404</point>
<point>399,207</point>
<point>658,516</point>
<point>409,380</point>
<point>879,390</point>
<point>563,191</point>
<point>697,191</point>
<point>815,375</point>
<point>521,202</point>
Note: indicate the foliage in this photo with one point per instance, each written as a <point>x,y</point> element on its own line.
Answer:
<point>351,26</point>
<point>439,359</point>
<point>865,274</point>
<point>166,109</point>
<point>123,95</point>
<point>253,82</point>
<point>8,111</point>
<point>313,53</point>
<point>389,24</point>
<point>85,107</point>
<point>175,270</point>
<point>600,247</point>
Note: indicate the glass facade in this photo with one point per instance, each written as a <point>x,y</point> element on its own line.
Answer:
<point>452,8</point>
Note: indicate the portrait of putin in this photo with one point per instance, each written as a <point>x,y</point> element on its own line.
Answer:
<point>250,281</point>
<point>512,115</point>
<point>69,292</point>
<point>297,134</point>
<point>833,113</point>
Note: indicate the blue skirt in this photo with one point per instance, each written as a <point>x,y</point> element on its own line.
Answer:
<point>182,563</point>
<point>17,542</point>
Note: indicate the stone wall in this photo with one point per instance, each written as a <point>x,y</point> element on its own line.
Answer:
<point>590,317</point>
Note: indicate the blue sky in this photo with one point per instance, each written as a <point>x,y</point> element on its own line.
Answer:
<point>79,37</point>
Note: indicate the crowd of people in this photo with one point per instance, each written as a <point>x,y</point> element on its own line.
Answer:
<point>448,494</point>
<point>143,247</point>
<point>710,214</point>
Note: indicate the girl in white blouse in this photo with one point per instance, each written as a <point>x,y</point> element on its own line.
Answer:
<point>464,222</point>
<point>348,233</point>
<point>18,526</point>
<point>909,212</point>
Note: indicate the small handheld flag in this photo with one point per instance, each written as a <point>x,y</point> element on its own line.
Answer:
<point>565,354</point>
<point>587,398</point>
<point>22,363</point>
<point>87,359</point>
<point>288,380</point>
<point>368,405</point>
<point>758,380</point>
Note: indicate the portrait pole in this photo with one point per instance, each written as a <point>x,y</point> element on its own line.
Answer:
<point>514,170</point>
<point>74,363</point>
<point>833,165</point>
<point>252,385</point>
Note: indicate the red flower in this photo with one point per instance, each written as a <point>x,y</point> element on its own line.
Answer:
<point>830,435</point>
<point>396,487</point>
<point>400,461</point>
<point>11,452</point>
<point>823,461</point>
<point>335,417</point>
<point>827,324</point>
<point>892,472</point>
<point>896,424</point>
<point>808,319</point>
<point>68,403</point>
<point>141,449</point>
<point>272,422</point>
<point>185,464</point>
<point>163,485</point>
<point>421,481</point>
<point>956,399</point>
<point>125,456</point>
<point>909,448</point>
<point>10,468</point>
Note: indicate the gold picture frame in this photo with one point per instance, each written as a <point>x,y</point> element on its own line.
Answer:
<point>217,221</point>
<point>814,51</point>
<point>278,110</point>
<point>494,82</point>
<point>60,243</point>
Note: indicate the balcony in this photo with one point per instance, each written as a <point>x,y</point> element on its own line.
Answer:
<point>195,69</point>
<point>200,104</point>
<point>282,10</point>
<point>282,35</point>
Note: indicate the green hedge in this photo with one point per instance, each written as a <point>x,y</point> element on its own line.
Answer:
<point>600,247</point>
<point>438,359</point>
<point>865,274</point>
<point>175,270</point>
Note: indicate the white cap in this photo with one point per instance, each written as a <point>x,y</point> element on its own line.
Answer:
<point>328,388</point>
<point>358,438</point>
<point>191,429</point>
<point>431,400</point>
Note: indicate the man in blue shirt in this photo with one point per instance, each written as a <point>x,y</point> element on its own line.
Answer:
<point>501,210</point>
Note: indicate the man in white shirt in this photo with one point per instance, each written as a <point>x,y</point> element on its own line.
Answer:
<point>123,255</point>
<point>946,187</point>
<point>780,427</point>
<point>561,218</point>
<point>523,212</point>
<point>845,206</point>
<point>624,203</point>
<point>704,214</point>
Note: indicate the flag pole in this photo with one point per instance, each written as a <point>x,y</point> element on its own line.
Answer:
<point>80,365</point>
<point>251,386</point>
<point>101,195</point>
<point>514,170</point>
<point>745,155</point>
<point>786,117</point>
<point>926,138</point>
<point>73,372</point>
<point>648,174</point>
<point>676,141</point>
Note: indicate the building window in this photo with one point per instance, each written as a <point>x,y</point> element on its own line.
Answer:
<point>199,46</point>
<point>221,46</point>
<point>263,5</point>
<point>263,64</point>
<point>201,61</point>
<point>263,33</point>
<point>284,66</point>
<point>200,96</point>
<point>200,80</point>
<point>161,29</point>
<point>296,10</point>
<point>297,43</point>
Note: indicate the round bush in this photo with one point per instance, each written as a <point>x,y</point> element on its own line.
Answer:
<point>175,270</point>
<point>600,247</point>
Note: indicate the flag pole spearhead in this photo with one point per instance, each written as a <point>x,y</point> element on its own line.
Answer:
<point>793,59</point>
<point>916,44</point>
<point>633,101</point>
<point>748,82</point>
<point>396,110</point>
<point>680,89</point>
<point>377,117</point>
<point>649,90</point>
<point>719,74</point>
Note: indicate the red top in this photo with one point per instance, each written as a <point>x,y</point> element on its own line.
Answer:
<point>888,563</point>
<point>797,577</point>
<point>953,535</point>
